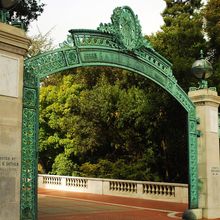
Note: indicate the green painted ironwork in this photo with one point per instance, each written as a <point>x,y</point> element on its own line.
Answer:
<point>110,45</point>
<point>4,16</point>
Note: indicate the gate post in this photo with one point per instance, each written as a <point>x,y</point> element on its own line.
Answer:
<point>13,47</point>
<point>207,102</point>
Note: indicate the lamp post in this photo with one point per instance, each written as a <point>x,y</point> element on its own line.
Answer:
<point>202,69</point>
<point>5,6</point>
<point>206,101</point>
<point>8,4</point>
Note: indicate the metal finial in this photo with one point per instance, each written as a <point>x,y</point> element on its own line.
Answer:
<point>201,54</point>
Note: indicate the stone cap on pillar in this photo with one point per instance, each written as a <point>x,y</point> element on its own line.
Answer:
<point>207,96</point>
<point>13,39</point>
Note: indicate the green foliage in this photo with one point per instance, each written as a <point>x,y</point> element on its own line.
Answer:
<point>212,28</point>
<point>40,43</point>
<point>55,120</point>
<point>122,169</point>
<point>181,38</point>
<point>63,166</point>
<point>27,11</point>
<point>212,17</point>
<point>110,123</point>
<point>112,126</point>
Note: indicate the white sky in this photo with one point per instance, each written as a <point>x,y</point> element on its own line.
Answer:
<point>61,16</point>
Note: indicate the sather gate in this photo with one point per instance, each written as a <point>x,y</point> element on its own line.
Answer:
<point>116,44</point>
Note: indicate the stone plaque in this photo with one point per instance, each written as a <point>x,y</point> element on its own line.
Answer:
<point>212,125</point>
<point>215,171</point>
<point>9,72</point>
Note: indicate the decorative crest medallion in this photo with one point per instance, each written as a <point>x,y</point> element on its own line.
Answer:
<point>126,27</point>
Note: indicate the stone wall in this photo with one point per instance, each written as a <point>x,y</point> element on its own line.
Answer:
<point>13,46</point>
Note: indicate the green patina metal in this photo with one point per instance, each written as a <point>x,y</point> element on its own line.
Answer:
<point>4,16</point>
<point>117,44</point>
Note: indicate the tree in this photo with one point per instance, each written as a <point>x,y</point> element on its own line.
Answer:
<point>181,38</point>
<point>113,118</point>
<point>27,11</point>
<point>180,41</point>
<point>114,123</point>
<point>40,43</point>
<point>90,121</point>
<point>58,102</point>
<point>63,166</point>
<point>211,14</point>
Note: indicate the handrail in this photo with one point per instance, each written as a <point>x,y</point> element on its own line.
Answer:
<point>162,191</point>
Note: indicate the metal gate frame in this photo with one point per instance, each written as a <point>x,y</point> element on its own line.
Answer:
<point>116,44</point>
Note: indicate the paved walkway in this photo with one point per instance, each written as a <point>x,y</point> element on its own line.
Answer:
<point>61,205</point>
<point>57,205</point>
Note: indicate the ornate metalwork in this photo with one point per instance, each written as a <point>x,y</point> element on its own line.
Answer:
<point>68,43</point>
<point>126,28</point>
<point>193,160</point>
<point>5,6</point>
<point>29,165</point>
<point>110,45</point>
<point>4,16</point>
<point>29,148</point>
<point>48,63</point>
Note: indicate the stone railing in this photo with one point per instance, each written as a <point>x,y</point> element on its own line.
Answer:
<point>171,192</point>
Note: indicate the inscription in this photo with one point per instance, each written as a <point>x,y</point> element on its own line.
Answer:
<point>90,56</point>
<point>215,171</point>
<point>8,163</point>
<point>8,76</point>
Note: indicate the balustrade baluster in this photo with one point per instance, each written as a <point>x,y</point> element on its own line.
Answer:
<point>173,191</point>
<point>169,191</point>
<point>124,187</point>
<point>148,188</point>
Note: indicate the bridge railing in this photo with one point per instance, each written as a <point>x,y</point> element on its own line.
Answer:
<point>160,191</point>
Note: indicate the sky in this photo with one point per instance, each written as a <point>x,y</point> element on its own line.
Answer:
<point>60,16</point>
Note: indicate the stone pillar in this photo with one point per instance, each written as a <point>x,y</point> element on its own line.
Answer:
<point>207,102</point>
<point>13,47</point>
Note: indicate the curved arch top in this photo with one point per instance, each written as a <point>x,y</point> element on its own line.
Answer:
<point>95,48</point>
<point>117,44</point>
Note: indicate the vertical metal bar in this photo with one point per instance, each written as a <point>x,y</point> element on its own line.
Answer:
<point>28,194</point>
<point>193,160</point>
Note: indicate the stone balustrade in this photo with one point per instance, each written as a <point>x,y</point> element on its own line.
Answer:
<point>160,191</point>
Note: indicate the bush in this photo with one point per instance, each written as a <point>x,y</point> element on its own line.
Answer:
<point>63,166</point>
<point>137,170</point>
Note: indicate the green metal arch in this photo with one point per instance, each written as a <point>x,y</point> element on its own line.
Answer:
<point>152,66</point>
<point>96,48</point>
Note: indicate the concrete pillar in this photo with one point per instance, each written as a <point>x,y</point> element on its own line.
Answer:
<point>13,47</point>
<point>207,102</point>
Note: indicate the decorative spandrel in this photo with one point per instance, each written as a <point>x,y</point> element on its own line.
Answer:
<point>126,28</point>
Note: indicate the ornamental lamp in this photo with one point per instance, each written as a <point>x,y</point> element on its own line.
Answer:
<point>202,69</point>
<point>7,4</point>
